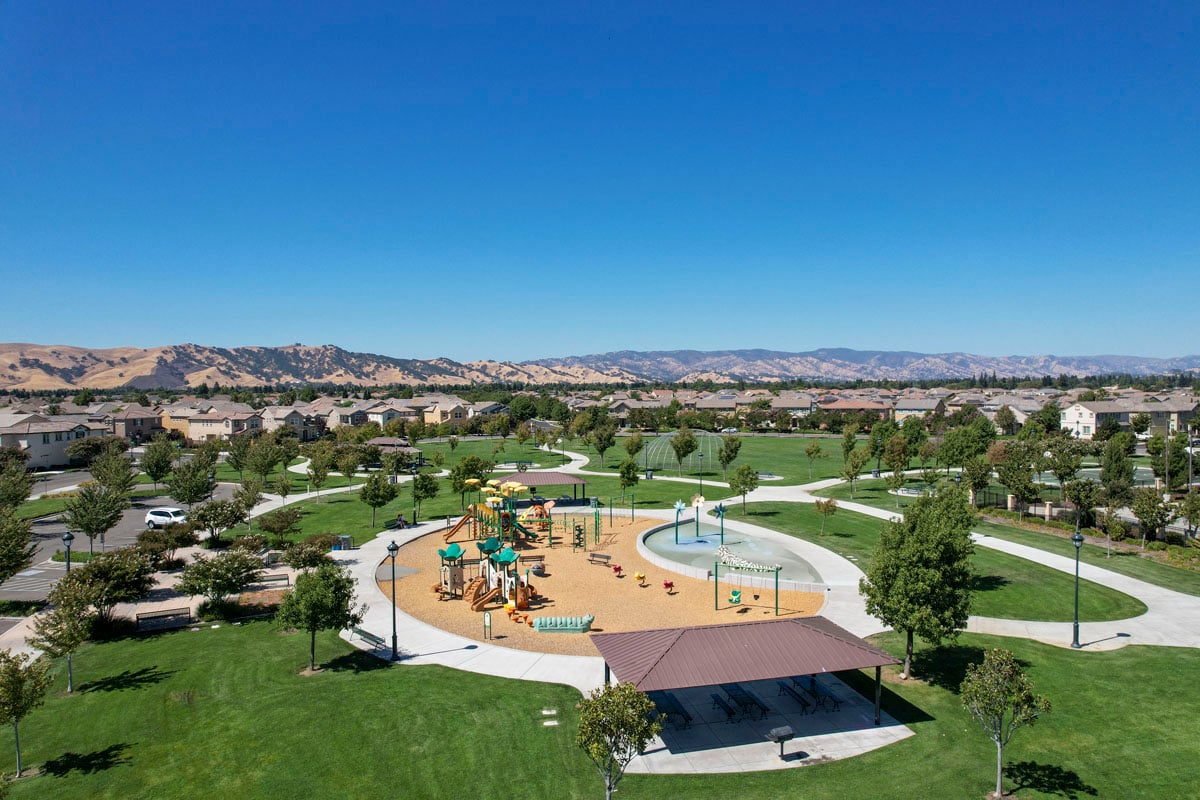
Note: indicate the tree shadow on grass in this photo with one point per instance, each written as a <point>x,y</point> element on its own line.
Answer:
<point>1048,779</point>
<point>95,761</point>
<point>946,666</point>
<point>988,583</point>
<point>128,679</point>
<point>358,661</point>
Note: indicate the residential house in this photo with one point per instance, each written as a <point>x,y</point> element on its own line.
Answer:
<point>223,425</point>
<point>136,423</point>
<point>918,407</point>
<point>45,439</point>
<point>306,425</point>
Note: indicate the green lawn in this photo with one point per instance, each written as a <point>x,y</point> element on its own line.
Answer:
<point>874,493</point>
<point>1130,564</point>
<point>485,448</point>
<point>224,714</point>
<point>55,504</point>
<point>299,480</point>
<point>1005,586</point>
<point>783,456</point>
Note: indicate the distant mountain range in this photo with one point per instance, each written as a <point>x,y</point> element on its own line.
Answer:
<point>33,366</point>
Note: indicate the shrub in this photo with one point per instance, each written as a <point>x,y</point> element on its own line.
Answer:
<point>1156,546</point>
<point>305,556</point>
<point>250,543</point>
<point>324,541</point>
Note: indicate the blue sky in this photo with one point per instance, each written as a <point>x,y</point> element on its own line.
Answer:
<point>454,180</point>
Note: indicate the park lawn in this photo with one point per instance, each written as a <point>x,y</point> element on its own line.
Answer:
<point>299,480</point>
<point>486,449</point>
<point>781,455</point>
<point>874,493</point>
<point>1005,586</point>
<point>55,504</point>
<point>224,714</point>
<point>1129,564</point>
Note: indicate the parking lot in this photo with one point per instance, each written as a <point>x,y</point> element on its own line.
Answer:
<point>35,582</point>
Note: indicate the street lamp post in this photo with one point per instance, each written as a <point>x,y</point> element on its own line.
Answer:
<point>67,539</point>
<point>1076,540</point>
<point>415,469</point>
<point>392,549</point>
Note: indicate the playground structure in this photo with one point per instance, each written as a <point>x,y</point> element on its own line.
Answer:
<point>498,579</point>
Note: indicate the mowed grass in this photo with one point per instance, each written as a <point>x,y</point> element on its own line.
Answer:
<point>224,714</point>
<point>1005,586</point>
<point>782,456</point>
<point>486,449</point>
<point>874,493</point>
<point>1129,564</point>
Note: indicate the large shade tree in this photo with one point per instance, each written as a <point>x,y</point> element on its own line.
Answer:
<point>920,577</point>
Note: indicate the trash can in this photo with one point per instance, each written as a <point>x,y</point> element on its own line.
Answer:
<point>649,474</point>
<point>344,542</point>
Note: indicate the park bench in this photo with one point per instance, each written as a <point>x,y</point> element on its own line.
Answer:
<point>821,698</point>
<point>767,475</point>
<point>276,577</point>
<point>376,642</point>
<point>672,710</point>
<point>563,624</point>
<point>731,714</point>
<point>805,706</point>
<point>599,558</point>
<point>163,618</point>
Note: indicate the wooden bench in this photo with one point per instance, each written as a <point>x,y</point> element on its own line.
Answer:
<point>529,559</point>
<point>276,577</point>
<point>376,642</point>
<point>599,558</point>
<point>163,618</point>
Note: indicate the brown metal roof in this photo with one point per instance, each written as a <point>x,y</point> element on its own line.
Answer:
<point>676,658</point>
<point>542,479</point>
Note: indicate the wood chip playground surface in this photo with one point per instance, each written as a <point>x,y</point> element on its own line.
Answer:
<point>574,586</point>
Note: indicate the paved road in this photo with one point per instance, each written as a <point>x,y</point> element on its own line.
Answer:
<point>48,533</point>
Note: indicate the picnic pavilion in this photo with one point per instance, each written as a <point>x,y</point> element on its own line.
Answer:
<point>536,480</point>
<point>728,655</point>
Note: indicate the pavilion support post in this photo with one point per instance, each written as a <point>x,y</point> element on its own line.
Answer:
<point>608,681</point>
<point>878,690</point>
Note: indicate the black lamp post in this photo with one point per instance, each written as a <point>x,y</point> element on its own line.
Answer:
<point>415,469</point>
<point>392,549</point>
<point>1076,540</point>
<point>67,539</point>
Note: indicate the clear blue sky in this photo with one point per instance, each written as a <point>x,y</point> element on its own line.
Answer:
<point>445,179</point>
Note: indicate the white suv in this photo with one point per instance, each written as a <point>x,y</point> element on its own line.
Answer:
<point>160,517</point>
